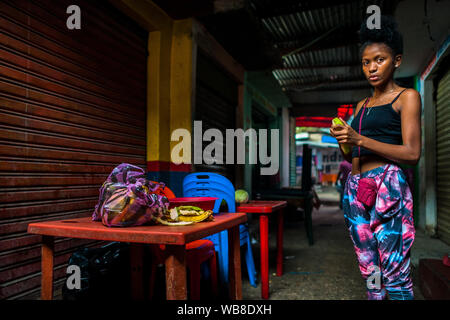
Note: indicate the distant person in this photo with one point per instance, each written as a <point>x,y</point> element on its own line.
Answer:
<point>383,233</point>
<point>345,168</point>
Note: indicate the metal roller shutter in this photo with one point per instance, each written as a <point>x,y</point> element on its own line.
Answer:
<point>215,106</point>
<point>72,107</point>
<point>443,158</point>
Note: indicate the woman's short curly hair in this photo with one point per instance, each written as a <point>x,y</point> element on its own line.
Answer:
<point>387,34</point>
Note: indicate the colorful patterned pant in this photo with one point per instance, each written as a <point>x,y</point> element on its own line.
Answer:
<point>382,235</point>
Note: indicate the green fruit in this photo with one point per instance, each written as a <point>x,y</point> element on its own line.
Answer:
<point>241,196</point>
<point>345,147</point>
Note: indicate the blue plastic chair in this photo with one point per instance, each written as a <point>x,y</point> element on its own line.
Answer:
<point>207,184</point>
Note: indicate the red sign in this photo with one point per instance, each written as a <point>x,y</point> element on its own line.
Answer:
<point>344,111</point>
<point>320,122</point>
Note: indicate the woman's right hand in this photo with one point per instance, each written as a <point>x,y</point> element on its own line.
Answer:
<point>334,129</point>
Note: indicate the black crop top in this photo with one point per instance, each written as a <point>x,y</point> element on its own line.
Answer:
<point>381,123</point>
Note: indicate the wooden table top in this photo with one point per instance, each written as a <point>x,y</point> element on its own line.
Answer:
<point>85,228</point>
<point>261,206</point>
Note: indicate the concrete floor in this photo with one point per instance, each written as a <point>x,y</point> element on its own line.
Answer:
<point>328,269</point>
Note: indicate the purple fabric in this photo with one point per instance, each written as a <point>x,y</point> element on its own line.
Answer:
<point>127,198</point>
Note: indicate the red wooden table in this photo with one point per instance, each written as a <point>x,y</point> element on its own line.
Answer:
<point>174,237</point>
<point>264,208</point>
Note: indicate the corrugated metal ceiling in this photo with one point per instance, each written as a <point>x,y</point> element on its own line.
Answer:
<point>317,39</point>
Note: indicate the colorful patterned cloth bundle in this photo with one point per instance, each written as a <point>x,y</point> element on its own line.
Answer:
<point>128,199</point>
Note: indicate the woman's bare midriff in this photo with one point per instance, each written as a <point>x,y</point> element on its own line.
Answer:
<point>368,163</point>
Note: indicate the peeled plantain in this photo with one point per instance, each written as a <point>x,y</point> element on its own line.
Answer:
<point>196,218</point>
<point>185,215</point>
<point>189,210</point>
<point>172,223</point>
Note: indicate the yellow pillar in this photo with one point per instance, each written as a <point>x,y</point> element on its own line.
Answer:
<point>182,77</point>
<point>158,95</point>
<point>170,85</point>
<point>171,75</point>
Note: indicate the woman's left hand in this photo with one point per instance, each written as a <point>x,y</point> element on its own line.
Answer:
<point>345,134</point>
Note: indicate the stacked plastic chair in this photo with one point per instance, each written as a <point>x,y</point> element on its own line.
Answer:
<point>207,184</point>
<point>197,252</point>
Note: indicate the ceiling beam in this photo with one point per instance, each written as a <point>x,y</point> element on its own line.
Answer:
<point>182,9</point>
<point>212,48</point>
<point>148,15</point>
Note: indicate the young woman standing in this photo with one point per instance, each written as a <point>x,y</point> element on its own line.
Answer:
<point>390,134</point>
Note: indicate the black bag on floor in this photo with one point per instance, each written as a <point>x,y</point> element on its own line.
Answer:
<point>104,273</point>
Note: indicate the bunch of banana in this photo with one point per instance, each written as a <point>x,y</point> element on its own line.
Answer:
<point>185,215</point>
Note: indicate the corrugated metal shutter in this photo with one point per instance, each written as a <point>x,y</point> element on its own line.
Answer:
<point>215,106</point>
<point>72,107</point>
<point>443,158</point>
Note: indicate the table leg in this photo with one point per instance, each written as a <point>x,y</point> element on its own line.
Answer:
<point>264,238</point>
<point>234,251</point>
<point>176,288</point>
<point>280,243</point>
<point>137,280</point>
<point>48,245</point>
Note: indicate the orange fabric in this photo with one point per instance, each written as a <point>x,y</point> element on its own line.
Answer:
<point>165,192</point>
